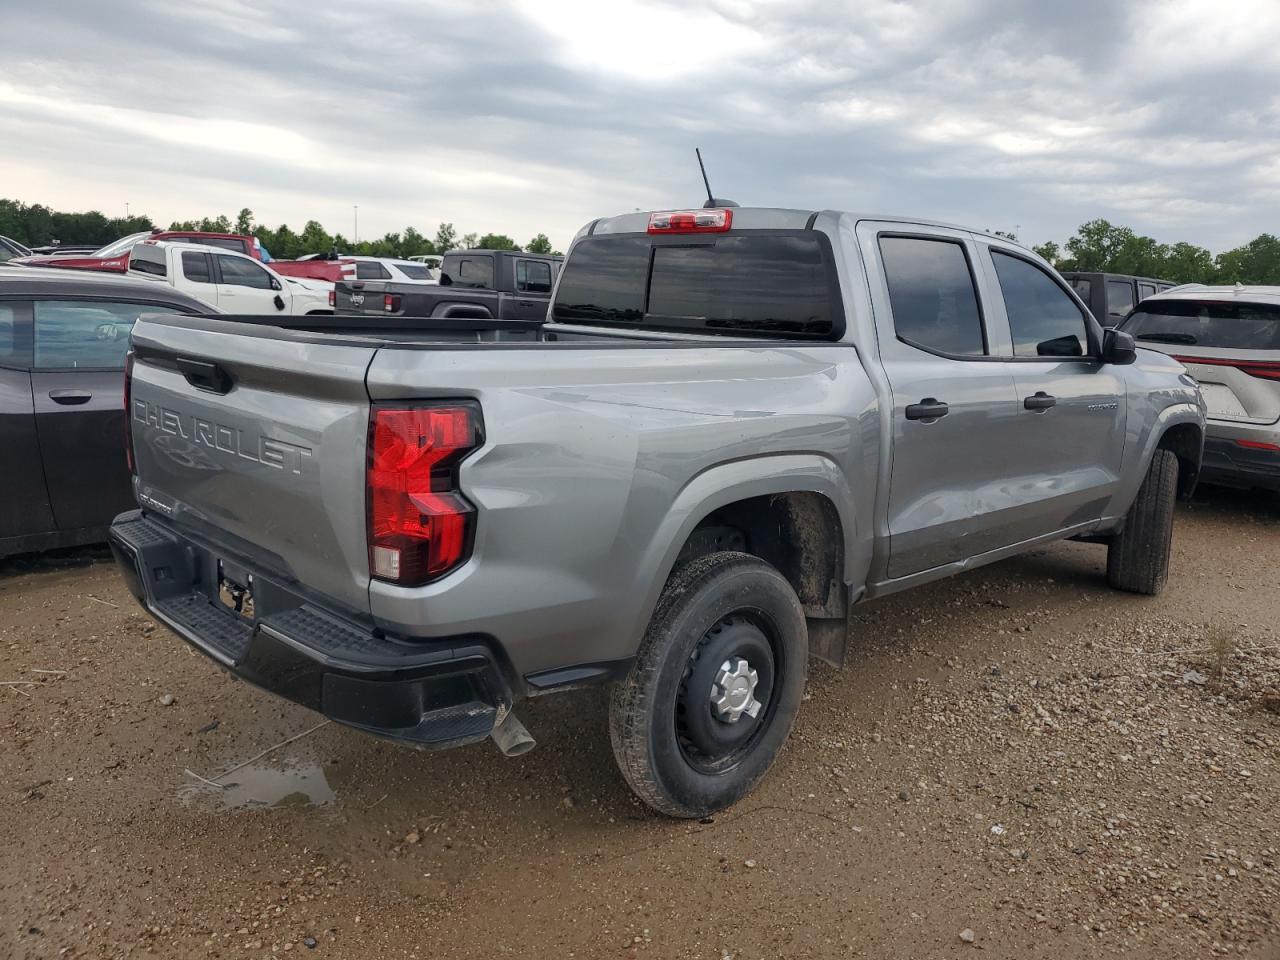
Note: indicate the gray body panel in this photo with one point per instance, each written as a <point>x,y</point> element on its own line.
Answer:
<point>604,449</point>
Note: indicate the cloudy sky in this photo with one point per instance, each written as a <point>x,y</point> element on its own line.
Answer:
<point>538,115</point>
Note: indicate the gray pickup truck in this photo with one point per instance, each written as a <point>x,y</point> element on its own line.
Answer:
<point>474,284</point>
<point>735,424</point>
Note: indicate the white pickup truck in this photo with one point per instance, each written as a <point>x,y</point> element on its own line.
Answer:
<point>230,281</point>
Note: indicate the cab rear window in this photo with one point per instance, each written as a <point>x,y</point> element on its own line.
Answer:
<point>1207,323</point>
<point>762,283</point>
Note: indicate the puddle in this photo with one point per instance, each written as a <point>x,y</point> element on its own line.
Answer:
<point>257,787</point>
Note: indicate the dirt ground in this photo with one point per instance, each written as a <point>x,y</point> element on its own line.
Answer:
<point>1019,754</point>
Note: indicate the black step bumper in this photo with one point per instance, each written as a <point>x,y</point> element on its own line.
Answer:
<point>429,693</point>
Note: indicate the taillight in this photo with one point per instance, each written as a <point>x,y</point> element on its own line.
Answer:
<point>691,221</point>
<point>1258,445</point>
<point>390,302</point>
<point>420,525</point>
<point>1263,369</point>
<point>128,413</point>
<point>333,299</point>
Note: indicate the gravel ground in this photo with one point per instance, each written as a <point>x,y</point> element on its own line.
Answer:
<point>1017,761</point>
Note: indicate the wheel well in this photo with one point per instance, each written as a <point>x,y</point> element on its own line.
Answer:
<point>800,534</point>
<point>1186,443</point>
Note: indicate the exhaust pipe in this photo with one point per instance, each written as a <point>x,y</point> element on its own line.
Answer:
<point>511,736</point>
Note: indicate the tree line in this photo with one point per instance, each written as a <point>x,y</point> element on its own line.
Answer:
<point>1102,247</point>
<point>1098,246</point>
<point>36,225</point>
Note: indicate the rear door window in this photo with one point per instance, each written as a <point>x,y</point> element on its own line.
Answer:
<point>932,295</point>
<point>1044,320</point>
<point>760,283</point>
<point>1119,298</point>
<point>85,334</point>
<point>240,272</point>
<point>1146,290</point>
<point>1207,323</point>
<point>1082,287</point>
<point>195,267</point>
<point>533,276</point>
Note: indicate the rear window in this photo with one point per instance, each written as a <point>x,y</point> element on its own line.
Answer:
<point>467,271</point>
<point>148,258</point>
<point>774,283</point>
<point>1119,297</point>
<point>414,271</point>
<point>1207,323</point>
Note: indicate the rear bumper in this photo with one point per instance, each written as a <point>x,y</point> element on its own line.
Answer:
<point>1226,462</point>
<point>430,694</point>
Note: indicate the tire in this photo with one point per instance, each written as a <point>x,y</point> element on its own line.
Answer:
<point>675,748</point>
<point>1138,558</point>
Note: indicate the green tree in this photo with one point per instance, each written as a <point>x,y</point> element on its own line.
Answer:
<point>497,241</point>
<point>1187,263</point>
<point>415,244</point>
<point>1258,261</point>
<point>1096,244</point>
<point>446,238</point>
<point>469,241</point>
<point>244,221</point>
<point>539,244</point>
<point>1050,251</point>
<point>315,239</point>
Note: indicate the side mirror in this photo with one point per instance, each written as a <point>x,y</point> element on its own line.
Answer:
<point>275,284</point>
<point>1118,347</point>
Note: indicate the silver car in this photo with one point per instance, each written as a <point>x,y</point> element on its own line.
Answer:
<point>1229,340</point>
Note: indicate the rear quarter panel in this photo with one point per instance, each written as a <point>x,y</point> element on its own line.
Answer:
<point>599,461</point>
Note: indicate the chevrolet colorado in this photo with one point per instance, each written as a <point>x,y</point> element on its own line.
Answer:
<point>734,424</point>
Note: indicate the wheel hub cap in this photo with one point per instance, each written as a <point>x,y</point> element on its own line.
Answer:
<point>734,692</point>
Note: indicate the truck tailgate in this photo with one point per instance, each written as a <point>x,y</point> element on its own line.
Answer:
<point>257,443</point>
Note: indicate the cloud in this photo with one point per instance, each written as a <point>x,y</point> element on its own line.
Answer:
<point>520,117</point>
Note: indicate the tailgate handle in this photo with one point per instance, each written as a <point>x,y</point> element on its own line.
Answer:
<point>204,375</point>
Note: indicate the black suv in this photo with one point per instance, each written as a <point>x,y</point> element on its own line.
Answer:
<point>1110,296</point>
<point>63,339</point>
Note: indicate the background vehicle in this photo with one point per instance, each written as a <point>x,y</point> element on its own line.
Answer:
<point>114,257</point>
<point>389,268</point>
<point>9,249</point>
<point>1110,296</point>
<point>232,281</point>
<point>432,260</point>
<point>1229,339</point>
<point>63,338</point>
<point>477,284</point>
<point>735,424</point>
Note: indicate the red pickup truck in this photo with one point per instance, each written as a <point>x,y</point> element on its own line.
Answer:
<point>114,257</point>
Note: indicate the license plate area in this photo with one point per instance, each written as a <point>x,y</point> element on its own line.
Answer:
<point>235,590</point>
<point>1222,401</point>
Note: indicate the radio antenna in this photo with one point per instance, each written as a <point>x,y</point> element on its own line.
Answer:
<point>711,200</point>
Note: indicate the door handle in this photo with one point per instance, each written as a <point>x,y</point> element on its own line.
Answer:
<point>70,398</point>
<point>927,409</point>
<point>1040,401</point>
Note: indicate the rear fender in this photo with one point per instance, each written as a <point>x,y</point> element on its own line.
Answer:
<point>729,483</point>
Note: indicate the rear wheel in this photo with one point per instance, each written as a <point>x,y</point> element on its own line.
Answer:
<point>715,687</point>
<point>1138,558</point>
